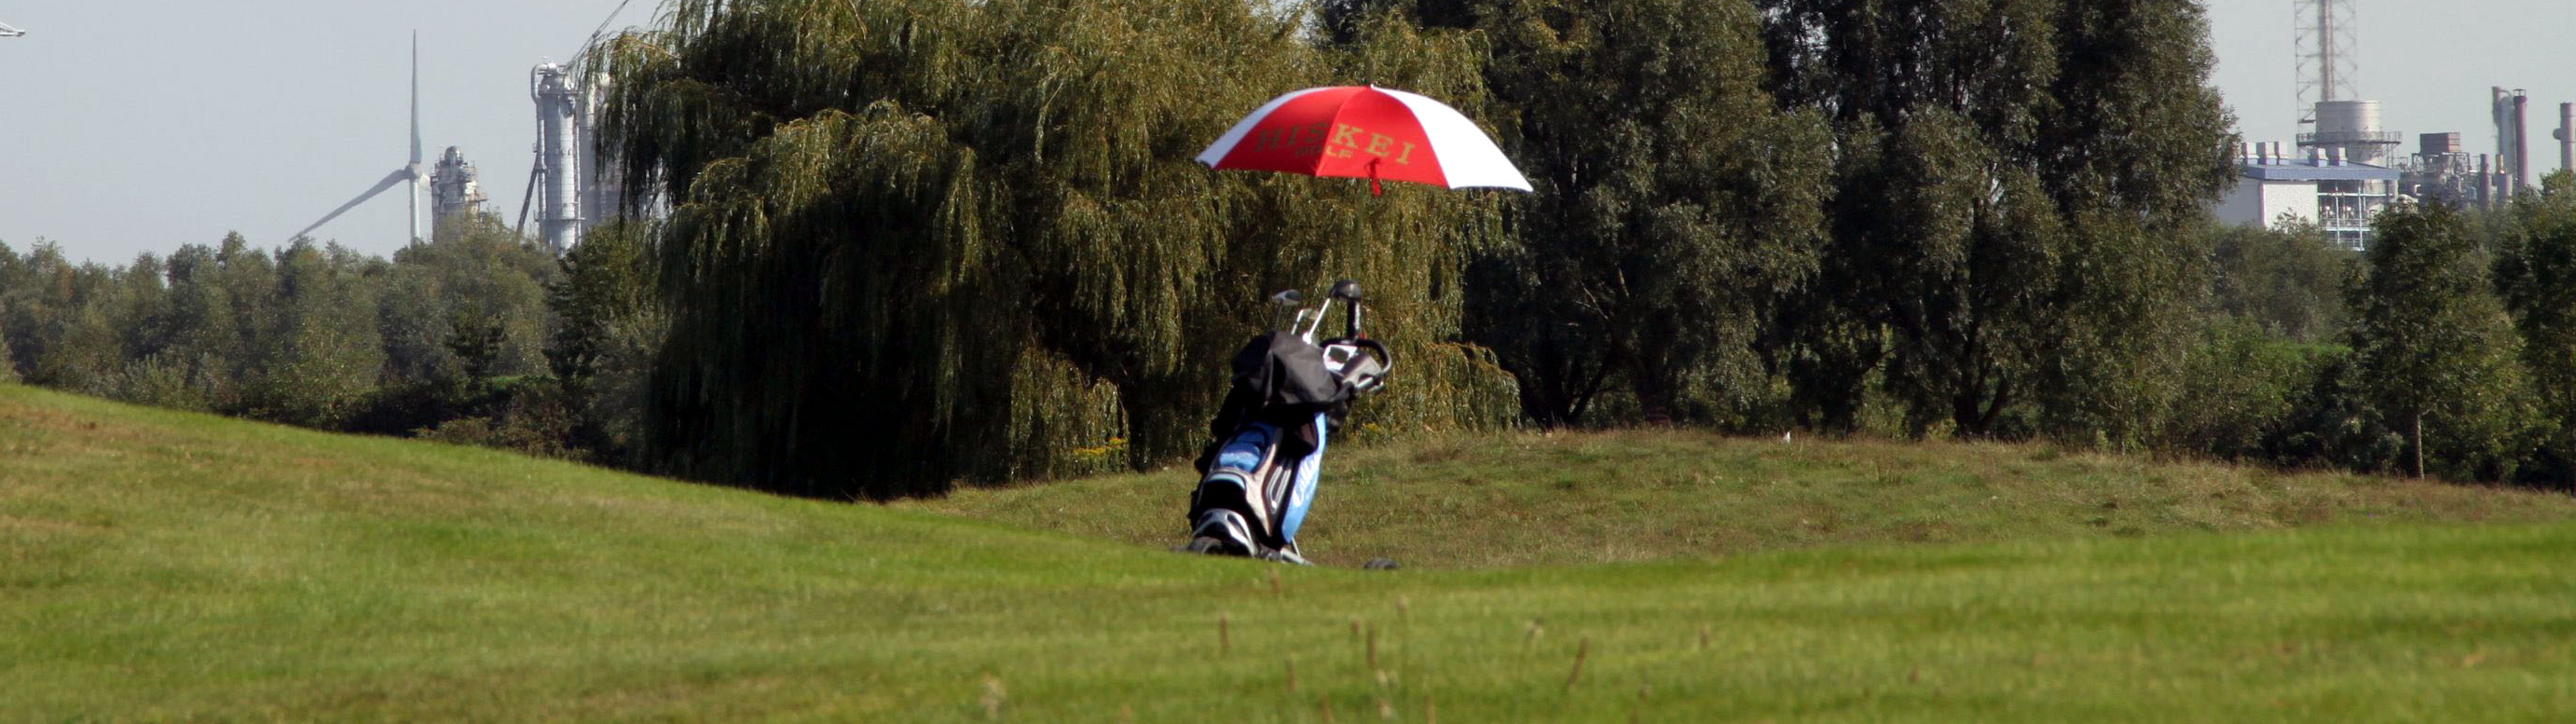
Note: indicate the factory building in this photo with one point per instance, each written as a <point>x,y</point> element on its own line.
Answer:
<point>2443,170</point>
<point>2340,175</point>
<point>2347,169</point>
<point>2322,187</point>
<point>455,192</point>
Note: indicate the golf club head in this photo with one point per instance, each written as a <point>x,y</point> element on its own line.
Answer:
<point>1346,290</point>
<point>1283,310</point>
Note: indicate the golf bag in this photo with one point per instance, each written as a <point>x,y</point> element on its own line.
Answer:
<point>1288,397</point>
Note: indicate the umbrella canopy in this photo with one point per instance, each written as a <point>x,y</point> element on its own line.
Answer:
<point>1365,132</point>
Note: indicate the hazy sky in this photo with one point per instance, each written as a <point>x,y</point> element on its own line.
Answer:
<point>139,125</point>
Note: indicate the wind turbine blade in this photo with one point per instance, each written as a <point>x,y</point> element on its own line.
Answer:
<point>415,98</point>
<point>397,177</point>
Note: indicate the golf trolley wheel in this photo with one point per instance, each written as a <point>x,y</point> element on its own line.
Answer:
<point>1205,545</point>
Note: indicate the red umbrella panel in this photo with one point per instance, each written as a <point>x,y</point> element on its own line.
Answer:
<point>1365,132</point>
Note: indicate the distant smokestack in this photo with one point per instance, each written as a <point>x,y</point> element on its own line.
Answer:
<point>2486,183</point>
<point>2521,142</point>
<point>2566,135</point>
<point>2513,140</point>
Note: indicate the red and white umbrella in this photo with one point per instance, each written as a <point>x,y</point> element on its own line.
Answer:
<point>1365,132</point>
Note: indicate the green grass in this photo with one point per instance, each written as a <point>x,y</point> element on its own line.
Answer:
<point>1564,499</point>
<point>166,566</point>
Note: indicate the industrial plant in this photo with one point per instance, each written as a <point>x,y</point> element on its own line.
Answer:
<point>455,191</point>
<point>574,185</point>
<point>571,185</point>
<point>2347,167</point>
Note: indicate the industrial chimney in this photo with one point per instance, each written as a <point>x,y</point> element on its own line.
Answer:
<point>2513,140</point>
<point>2566,135</point>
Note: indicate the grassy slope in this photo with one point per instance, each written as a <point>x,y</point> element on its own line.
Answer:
<point>158,565</point>
<point>1535,499</point>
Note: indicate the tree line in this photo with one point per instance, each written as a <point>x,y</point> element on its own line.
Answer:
<point>461,338</point>
<point>903,244</point>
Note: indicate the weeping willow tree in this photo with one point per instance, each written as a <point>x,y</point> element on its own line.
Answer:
<point>911,242</point>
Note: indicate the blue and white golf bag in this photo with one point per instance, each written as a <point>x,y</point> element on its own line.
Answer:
<point>1258,474</point>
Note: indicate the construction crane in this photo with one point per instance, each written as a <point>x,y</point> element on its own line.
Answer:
<point>9,32</point>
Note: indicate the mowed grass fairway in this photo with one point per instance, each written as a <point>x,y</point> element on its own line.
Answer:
<point>167,566</point>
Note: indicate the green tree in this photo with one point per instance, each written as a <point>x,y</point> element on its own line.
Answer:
<point>607,328</point>
<point>2535,274</point>
<point>474,261</point>
<point>247,281</point>
<point>2433,350</point>
<point>895,227</point>
<point>2244,388</point>
<point>298,335</point>
<point>141,304</point>
<point>475,337</point>
<point>82,354</point>
<point>1675,201</point>
<point>16,284</point>
<point>2288,280</point>
<point>319,353</point>
<point>206,347</point>
<point>606,279</point>
<point>2014,241</point>
<point>61,311</point>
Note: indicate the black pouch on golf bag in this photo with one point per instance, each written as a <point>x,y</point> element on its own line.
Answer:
<point>1278,379</point>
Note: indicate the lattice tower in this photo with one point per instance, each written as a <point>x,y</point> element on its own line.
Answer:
<point>2327,46</point>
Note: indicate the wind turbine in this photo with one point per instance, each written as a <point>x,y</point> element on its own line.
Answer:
<point>409,174</point>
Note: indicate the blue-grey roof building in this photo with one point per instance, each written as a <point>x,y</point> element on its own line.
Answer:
<point>2341,197</point>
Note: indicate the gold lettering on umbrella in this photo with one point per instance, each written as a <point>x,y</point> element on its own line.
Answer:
<point>1345,138</point>
<point>1406,157</point>
<point>1310,138</point>
<point>1297,139</point>
<point>1379,144</point>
